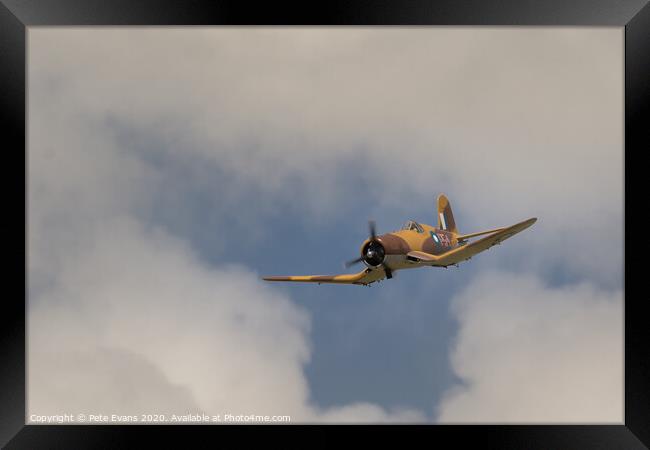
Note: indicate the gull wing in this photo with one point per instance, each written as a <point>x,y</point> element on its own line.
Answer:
<point>364,277</point>
<point>467,251</point>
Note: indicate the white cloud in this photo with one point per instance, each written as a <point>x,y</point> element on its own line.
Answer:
<point>528,353</point>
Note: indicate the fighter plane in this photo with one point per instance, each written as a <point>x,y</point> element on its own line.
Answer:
<point>415,245</point>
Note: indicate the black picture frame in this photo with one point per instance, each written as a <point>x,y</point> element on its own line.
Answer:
<point>17,15</point>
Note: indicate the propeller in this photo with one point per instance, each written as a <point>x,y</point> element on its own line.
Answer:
<point>372,229</point>
<point>354,261</point>
<point>373,252</point>
<point>372,226</point>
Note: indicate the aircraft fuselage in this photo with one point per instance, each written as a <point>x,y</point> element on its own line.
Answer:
<point>398,243</point>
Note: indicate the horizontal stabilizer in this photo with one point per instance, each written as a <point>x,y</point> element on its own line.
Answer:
<point>464,237</point>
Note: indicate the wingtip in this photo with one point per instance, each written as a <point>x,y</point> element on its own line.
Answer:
<point>269,278</point>
<point>529,222</point>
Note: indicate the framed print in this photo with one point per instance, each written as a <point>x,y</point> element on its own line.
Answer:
<point>186,168</point>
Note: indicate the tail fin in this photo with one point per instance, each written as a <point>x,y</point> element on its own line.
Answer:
<point>445,216</point>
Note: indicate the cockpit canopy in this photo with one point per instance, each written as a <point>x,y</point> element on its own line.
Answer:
<point>413,226</point>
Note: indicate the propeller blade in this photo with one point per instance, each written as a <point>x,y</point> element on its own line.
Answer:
<point>354,261</point>
<point>373,229</point>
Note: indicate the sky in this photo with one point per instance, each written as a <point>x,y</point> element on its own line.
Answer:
<point>170,168</point>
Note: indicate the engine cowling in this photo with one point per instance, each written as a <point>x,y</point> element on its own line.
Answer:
<point>373,253</point>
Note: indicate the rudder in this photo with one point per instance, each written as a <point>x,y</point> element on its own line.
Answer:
<point>445,216</point>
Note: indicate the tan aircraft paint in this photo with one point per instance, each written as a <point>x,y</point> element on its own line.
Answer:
<point>406,249</point>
